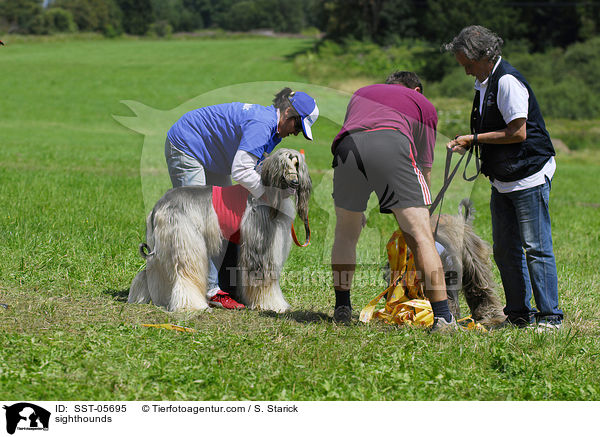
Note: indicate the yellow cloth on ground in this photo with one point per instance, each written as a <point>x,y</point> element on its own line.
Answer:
<point>406,303</point>
<point>168,326</point>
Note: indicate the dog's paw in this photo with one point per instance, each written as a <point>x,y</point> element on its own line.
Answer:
<point>138,292</point>
<point>188,308</point>
<point>277,308</point>
<point>283,309</point>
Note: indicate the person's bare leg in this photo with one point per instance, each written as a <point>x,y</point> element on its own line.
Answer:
<point>343,254</point>
<point>414,223</point>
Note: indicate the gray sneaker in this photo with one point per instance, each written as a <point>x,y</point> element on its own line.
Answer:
<point>441,325</point>
<point>547,326</point>
<point>342,314</point>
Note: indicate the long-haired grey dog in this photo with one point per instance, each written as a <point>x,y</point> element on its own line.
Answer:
<point>182,232</point>
<point>467,264</point>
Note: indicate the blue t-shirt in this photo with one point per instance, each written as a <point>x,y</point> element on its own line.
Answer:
<point>214,134</point>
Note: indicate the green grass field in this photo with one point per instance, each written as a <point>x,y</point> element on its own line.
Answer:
<point>76,184</point>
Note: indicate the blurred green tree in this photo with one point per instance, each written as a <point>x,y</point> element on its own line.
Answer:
<point>18,15</point>
<point>137,16</point>
<point>93,15</point>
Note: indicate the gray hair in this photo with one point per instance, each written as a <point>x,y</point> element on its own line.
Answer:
<point>477,43</point>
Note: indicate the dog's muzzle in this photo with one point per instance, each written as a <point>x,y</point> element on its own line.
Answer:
<point>292,181</point>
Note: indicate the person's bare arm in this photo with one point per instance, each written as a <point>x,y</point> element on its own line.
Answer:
<point>515,132</point>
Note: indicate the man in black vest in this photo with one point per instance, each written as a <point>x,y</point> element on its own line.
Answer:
<point>518,157</point>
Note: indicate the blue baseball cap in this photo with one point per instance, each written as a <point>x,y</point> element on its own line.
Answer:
<point>307,108</point>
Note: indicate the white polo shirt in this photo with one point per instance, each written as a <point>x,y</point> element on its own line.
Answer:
<point>513,103</point>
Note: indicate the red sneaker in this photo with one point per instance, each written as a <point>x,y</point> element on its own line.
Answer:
<point>224,300</point>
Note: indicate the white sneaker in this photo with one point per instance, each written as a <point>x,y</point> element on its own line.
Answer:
<point>441,325</point>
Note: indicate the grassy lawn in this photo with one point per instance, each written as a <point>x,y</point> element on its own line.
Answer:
<point>80,169</point>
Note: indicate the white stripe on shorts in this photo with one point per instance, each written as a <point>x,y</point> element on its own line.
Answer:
<point>422,181</point>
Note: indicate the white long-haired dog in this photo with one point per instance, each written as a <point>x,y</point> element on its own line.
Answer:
<point>183,231</point>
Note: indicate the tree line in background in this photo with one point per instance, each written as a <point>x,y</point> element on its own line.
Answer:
<point>141,17</point>
<point>541,24</point>
<point>555,43</point>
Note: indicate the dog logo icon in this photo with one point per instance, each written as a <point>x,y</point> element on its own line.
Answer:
<point>25,416</point>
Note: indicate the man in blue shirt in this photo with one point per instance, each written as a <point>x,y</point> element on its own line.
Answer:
<point>211,145</point>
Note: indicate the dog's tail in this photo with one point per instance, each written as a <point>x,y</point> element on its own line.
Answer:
<point>144,248</point>
<point>467,210</point>
<point>145,251</point>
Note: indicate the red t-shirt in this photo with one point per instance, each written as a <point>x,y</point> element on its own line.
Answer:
<point>229,204</point>
<point>396,107</point>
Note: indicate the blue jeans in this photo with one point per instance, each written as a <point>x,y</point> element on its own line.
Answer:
<point>185,170</point>
<point>523,253</point>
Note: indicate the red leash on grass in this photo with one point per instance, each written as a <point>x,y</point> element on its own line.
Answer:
<point>306,227</point>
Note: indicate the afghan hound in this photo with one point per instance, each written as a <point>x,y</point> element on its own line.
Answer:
<point>466,259</point>
<point>184,230</point>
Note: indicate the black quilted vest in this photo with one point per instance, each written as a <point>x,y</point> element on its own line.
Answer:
<point>510,162</point>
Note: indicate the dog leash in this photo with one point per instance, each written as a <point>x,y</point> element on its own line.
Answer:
<point>306,226</point>
<point>449,176</point>
<point>447,179</point>
<point>306,230</point>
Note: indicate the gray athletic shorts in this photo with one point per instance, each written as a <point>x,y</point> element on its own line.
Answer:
<point>381,161</point>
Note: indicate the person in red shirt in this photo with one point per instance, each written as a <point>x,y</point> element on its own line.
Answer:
<point>386,145</point>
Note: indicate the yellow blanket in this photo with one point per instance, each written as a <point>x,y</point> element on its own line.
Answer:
<point>406,303</point>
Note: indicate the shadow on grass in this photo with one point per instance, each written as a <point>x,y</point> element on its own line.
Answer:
<point>303,49</point>
<point>301,316</point>
<point>118,295</point>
